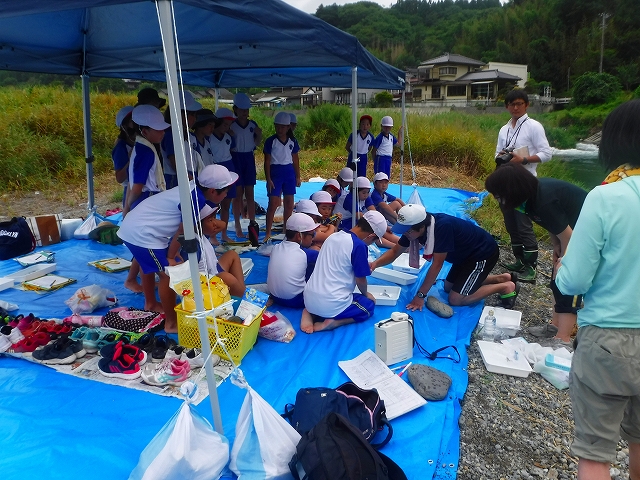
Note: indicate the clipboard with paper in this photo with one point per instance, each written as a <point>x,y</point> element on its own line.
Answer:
<point>111,265</point>
<point>47,283</point>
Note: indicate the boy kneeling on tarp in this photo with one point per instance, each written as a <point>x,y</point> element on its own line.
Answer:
<point>472,252</point>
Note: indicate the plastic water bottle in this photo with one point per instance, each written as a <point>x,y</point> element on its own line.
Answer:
<point>490,329</point>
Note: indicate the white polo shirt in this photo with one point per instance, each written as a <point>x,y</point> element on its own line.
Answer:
<point>203,149</point>
<point>527,133</point>
<point>364,144</point>
<point>281,153</point>
<point>342,258</point>
<point>384,145</point>
<point>287,270</point>
<point>221,148</point>
<point>244,136</point>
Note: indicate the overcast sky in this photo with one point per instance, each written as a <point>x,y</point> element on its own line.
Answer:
<point>310,6</point>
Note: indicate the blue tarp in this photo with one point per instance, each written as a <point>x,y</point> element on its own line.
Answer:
<point>59,426</point>
<point>223,43</point>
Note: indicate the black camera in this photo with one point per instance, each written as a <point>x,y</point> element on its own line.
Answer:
<point>505,157</point>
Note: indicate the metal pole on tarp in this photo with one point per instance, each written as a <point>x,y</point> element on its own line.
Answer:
<point>86,119</point>
<point>354,143</point>
<point>216,98</point>
<point>166,26</point>
<point>404,129</point>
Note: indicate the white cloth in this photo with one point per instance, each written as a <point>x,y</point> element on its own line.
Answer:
<point>244,137</point>
<point>531,135</point>
<point>329,290</point>
<point>154,221</point>
<point>287,270</point>
<point>155,180</point>
<point>221,148</point>
<point>428,247</point>
<point>208,263</point>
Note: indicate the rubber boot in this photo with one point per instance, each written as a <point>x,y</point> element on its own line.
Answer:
<point>518,265</point>
<point>528,274</point>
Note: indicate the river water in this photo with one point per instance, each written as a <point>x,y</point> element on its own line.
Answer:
<point>582,162</point>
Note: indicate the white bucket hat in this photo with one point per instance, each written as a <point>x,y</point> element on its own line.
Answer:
<point>149,116</point>
<point>216,177</point>
<point>301,222</point>
<point>377,221</point>
<point>307,206</point>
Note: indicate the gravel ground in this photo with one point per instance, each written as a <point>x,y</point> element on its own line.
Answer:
<point>511,428</point>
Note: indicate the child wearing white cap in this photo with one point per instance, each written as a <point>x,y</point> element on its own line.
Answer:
<point>145,170</point>
<point>470,250</point>
<point>188,109</point>
<point>383,146</point>
<point>247,135</point>
<point>286,285</point>
<point>363,146</point>
<point>333,188</point>
<point>328,222</point>
<point>385,203</point>
<point>152,228</point>
<point>341,266</point>
<point>281,169</point>
<point>221,145</point>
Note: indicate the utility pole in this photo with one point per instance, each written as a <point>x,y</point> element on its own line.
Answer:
<point>604,25</point>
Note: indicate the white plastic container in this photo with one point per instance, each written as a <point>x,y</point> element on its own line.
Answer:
<point>247,266</point>
<point>499,358</point>
<point>68,226</point>
<point>394,276</point>
<point>6,283</point>
<point>383,295</point>
<point>29,273</point>
<point>402,264</point>
<point>506,320</point>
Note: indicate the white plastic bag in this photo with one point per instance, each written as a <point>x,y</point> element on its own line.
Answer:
<point>278,215</point>
<point>265,442</point>
<point>87,299</point>
<point>557,378</point>
<point>92,221</point>
<point>280,330</point>
<point>186,447</point>
<point>415,198</point>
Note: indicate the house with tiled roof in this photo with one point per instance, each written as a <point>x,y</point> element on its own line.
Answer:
<point>456,80</point>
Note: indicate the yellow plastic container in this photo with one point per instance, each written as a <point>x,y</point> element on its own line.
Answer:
<point>239,338</point>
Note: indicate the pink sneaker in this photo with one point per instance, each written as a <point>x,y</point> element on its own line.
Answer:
<point>170,372</point>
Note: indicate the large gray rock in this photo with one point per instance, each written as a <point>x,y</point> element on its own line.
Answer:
<point>439,308</point>
<point>432,384</point>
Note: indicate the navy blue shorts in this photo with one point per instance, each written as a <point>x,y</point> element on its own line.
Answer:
<point>362,164</point>
<point>361,309</point>
<point>170,180</point>
<point>150,260</point>
<point>382,163</point>
<point>245,166</point>
<point>231,193</point>
<point>284,180</point>
<point>295,302</point>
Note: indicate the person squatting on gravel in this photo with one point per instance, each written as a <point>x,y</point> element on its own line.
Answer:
<point>602,262</point>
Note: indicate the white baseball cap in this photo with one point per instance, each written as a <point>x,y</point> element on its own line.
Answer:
<point>301,222</point>
<point>208,210</point>
<point>307,206</point>
<point>387,121</point>
<point>216,177</point>
<point>225,113</point>
<point>322,197</point>
<point>282,118</point>
<point>408,216</point>
<point>293,118</point>
<point>380,176</point>
<point>377,222</point>
<point>242,101</point>
<point>332,182</point>
<point>363,182</point>
<point>149,116</point>
<point>189,103</point>
<point>346,174</point>
<point>122,114</point>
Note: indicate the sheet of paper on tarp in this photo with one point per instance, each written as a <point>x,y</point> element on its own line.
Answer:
<point>368,371</point>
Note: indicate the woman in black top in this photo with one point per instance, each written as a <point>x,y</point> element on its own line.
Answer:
<point>554,205</point>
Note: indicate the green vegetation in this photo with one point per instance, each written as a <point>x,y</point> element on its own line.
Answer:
<point>595,88</point>
<point>558,39</point>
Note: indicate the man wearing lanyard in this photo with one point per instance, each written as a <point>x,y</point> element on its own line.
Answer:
<point>522,140</point>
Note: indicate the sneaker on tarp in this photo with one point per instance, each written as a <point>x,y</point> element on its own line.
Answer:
<point>121,365</point>
<point>108,351</point>
<point>61,352</point>
<point>162,344</point>
<point>170,372</point>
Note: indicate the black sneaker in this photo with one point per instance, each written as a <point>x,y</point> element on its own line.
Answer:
<point>509,300</point>
<point>162,344</point>
<point>60,352</point>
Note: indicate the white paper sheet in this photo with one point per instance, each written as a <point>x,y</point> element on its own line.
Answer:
<point>368,371</point>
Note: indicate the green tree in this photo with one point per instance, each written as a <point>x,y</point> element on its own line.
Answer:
<point>594,88</point>
<point>383,99</point>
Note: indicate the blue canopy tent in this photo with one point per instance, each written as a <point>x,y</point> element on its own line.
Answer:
<point>219,43</point>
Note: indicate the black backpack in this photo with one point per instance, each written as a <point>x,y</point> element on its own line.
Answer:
<point>363,408</point>
<point>335,450</point>
<point>16,238</point>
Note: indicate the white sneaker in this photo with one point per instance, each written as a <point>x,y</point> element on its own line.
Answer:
<point>5,343</point>
<point>196,360</point>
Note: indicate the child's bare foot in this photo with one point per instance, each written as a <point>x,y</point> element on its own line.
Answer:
<point>239,232</point>
<point>133,285</point>
<point>225,238</point>
<point>330,324</point>
<point>306,322</point>
<point>154,307</point>
<point>173,328</point>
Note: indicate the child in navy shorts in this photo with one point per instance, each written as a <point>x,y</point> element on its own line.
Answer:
<point>385,203</point>
<point>281,169</point>
<point>363,146</point>
<point>383,146</point>
<point>247,136</point>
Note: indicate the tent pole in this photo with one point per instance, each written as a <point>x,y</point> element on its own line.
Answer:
<point>216,97</point>
<point>166,25</point>
<point>404,121</point>
<point>88,145</point>
<point>354,142</point>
